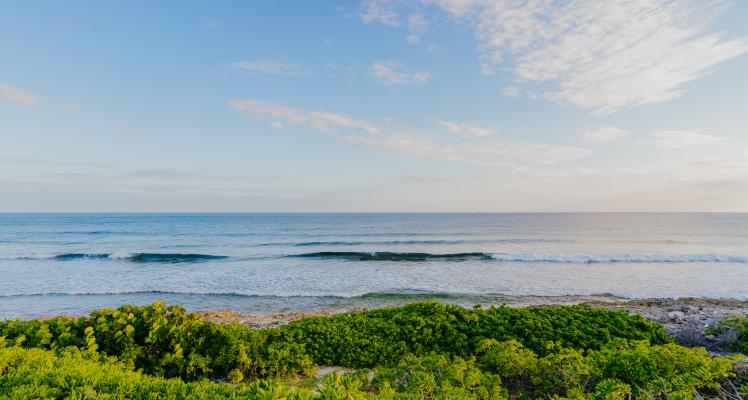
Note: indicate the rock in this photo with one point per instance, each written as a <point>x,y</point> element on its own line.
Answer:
<point>689,309</point>
<point>324,370</point>
<point>676,316</point>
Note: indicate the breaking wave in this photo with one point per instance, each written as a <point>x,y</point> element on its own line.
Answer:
<point>625,258</point>
<point>132,257</point>
<point>392,256</point>
<point>502,257</point>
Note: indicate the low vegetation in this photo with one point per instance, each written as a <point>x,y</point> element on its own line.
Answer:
<point>420,351</point>
<point>735,332</point>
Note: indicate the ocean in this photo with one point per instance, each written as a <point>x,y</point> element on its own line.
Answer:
<point>52,264</point>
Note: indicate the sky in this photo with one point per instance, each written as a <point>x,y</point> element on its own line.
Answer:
<point>374,106</point>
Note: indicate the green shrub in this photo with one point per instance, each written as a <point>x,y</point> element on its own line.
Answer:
<point>736,330</point>
<point>440,377</point>
<point>72,374</point>
<point>615,371</point>
<point>167,341</point>
<point>163,341</point>
<point>386,336</point>
<point>235,376</point>
<point>422,351</point>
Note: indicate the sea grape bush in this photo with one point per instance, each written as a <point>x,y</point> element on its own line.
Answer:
<point>385,336</point>
<point>737,331</point>
<point>160,340</point>
<point>166,341</point>
<point>658,372</point>
<point>73,374</point>
<point>419,351</point>
<point>633,368</point>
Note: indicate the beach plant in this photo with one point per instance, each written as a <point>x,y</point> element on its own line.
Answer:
<point>385,336</point>
<point>74,374</point>
<point>735,332</point>
<point>618,370</point>
<point>167,341</point>
<point>158,339</point>
<point>424,350</point>
<point>440,376</point>
<point>496,369</point>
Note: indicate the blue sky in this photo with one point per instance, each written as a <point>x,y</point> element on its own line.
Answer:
<point>381,105</point>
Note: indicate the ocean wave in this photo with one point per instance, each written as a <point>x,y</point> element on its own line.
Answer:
<point>386,296</point>
<point>79,256</point>
<point>623,258</point>
<point>391,256</point>
<point>97,232</point>
<point>132,257</point>
<point>402,294</point>
<point>426,242</point>
<point>384,243</point>
<point>177,293</point>
<point>537,258</point>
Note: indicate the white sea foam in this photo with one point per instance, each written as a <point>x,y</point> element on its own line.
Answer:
<point>623,258</point>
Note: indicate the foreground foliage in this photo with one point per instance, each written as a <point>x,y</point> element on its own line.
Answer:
<point>420,351</point>
<point>36,373</point>
<point>385,336</point>
<point>502,370</point>
<point>736,330</point>
<point>167,341</point>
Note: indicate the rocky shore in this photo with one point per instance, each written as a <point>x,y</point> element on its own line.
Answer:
<point>687,320</point>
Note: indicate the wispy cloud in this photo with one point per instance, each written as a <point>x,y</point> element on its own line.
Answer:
<point>462,129</point>
<point>602,56</point>
<point>13,95</point>
<point>281,115</point>
<point>391,74</point>
<point>403,141</point>
<point>493,153</point>
<point>601,134</point>
<point>670,140</point>
<point>417,25</point>
<point>511,91</point>
<point>379,11</point>
<point>57,163</point>
<point>270,67</point>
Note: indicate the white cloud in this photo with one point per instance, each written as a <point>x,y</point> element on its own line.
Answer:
<point>458,8</point>
<point>400,139</point>
<point>417,25</point>
<point>682,139</point>
<point>270,67</point>
<point>16,96</point>
<point>598,55</point>
<point>379,11</point>
<point>460,129</point>
<point>280,115</point>
<point>510,91</point>
<point>495,153</point>
<point>390,73</point>
<point>602,134</point>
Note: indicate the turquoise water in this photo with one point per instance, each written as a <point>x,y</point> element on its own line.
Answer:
<point>259,263</point>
